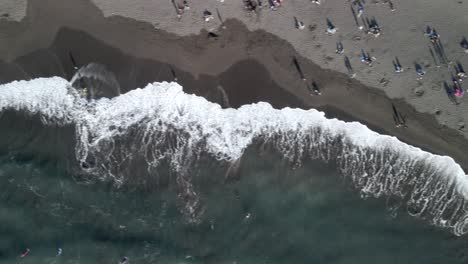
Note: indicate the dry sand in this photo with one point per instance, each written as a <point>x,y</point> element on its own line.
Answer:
<point>251,64</point>
<point>402,36</point>
<point>14,10</point>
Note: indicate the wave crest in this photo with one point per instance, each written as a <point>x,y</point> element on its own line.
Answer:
<point>161,124</point>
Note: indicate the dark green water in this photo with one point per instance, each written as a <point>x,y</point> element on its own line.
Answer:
<point>271,214</point>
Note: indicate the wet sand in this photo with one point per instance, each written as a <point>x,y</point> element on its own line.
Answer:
<point>248,66</point>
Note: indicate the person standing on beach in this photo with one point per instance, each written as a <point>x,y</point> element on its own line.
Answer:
<point>298,68</point>
<point>464,44</point>
<point>397,65</point>
<point>419,70</point>
<point>349,67</point>
<point>298,24</point>
<point>365,58</point>
<point>331,29</point>
<point>207,15</point>
<point>360,8</point>
<point>460,72</point>
<point>339,48</point>
<point>316,89</point>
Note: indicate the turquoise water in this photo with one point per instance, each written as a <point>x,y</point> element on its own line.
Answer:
<point>270,213</point>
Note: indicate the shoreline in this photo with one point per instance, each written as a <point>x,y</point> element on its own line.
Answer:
<point>256,61</point>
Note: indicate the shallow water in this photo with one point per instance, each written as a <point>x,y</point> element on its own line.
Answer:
<point>160,176</point>
<point>268,213</point>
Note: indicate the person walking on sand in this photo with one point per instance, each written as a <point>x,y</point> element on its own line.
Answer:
<point>349,67</point>
<point>298,68</point>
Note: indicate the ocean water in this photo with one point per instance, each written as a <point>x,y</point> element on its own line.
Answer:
<point>161,176</point>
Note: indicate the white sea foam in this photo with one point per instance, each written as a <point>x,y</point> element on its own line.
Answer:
<point>167,124</point>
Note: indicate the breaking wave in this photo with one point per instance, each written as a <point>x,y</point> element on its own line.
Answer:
<point>161,124</point>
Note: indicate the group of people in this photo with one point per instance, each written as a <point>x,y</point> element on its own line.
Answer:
<point>370,26</point>
<point>456,88</point>
<point>254,5</point>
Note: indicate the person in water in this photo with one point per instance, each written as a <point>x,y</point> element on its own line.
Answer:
<point>25,253</point>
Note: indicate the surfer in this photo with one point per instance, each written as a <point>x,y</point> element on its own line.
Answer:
<point>25,253</point>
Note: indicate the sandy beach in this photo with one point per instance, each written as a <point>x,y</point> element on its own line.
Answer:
<point>251,59</point>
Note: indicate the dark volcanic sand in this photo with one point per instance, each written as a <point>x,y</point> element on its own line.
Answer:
<point>249,66</point>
